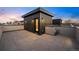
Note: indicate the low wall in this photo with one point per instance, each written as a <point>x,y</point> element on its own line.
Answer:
<point>0,34</point>
<point>50,30</point>
<point>65,31</point>
<point>77,34</point>
<point>12,28</point>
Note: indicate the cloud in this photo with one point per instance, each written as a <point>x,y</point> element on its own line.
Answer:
<point>7,14</point>
<point>10,17</point>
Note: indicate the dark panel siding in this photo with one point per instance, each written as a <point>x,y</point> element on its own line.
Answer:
<point>48,19</point>
<point>29,25</point>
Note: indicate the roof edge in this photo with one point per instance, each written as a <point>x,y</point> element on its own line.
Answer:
<point>39,9</point>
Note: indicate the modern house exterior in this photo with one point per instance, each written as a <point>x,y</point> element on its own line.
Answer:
<point>36,20</point>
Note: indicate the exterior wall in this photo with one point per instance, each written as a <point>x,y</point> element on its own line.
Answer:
<point>0,34</point>
<point>28,24</point>
<point>50,30</point>
<point>48,19</point>
<point>77,34</point>
<point>45,20</point>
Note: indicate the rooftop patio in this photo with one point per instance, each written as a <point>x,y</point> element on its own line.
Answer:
<point>25,40</point>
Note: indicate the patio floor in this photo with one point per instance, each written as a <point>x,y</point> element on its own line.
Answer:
<point>27,41</point>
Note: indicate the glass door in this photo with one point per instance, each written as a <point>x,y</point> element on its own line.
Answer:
<point>36,24</point>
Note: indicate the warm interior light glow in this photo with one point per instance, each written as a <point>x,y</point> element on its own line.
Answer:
<point>37,25</point>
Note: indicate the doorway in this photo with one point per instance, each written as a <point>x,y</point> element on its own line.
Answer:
<point>39,27</point>
<point>36,25</point>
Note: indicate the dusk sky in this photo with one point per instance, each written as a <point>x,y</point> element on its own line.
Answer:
<point>15,13</point>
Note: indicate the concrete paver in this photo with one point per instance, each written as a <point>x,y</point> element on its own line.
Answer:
<point>27,41</point>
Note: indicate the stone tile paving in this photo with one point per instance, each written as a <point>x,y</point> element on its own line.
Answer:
<point>27,41</point>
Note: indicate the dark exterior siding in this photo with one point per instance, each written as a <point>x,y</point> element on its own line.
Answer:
<point>29,25</point>
<point>48,19</point>
<point>43,20</point>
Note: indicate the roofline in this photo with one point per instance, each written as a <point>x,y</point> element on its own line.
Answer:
<point>35,13</point>
<point>29,13</point>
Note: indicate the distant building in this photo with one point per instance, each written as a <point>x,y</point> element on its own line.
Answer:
<point>18,23</point>
<point>37,19</point>
<point>21,22</point>
<point>57,21</point>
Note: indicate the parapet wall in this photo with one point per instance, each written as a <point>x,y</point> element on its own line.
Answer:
<point>77,34</point>
<point>0,34</point>
<point>65,31</point>
<point>9,28</point>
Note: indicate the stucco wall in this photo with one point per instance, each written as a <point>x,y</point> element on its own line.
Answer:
<point>50,30</point>
<point>0,34</point>
<point>66,31</point>
<point>77,34</point>
<point>10,28</point>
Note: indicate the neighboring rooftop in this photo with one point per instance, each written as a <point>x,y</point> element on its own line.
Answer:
<point>39,9</point>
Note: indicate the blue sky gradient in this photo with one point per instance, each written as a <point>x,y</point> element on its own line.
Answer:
<point>58,12</point>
